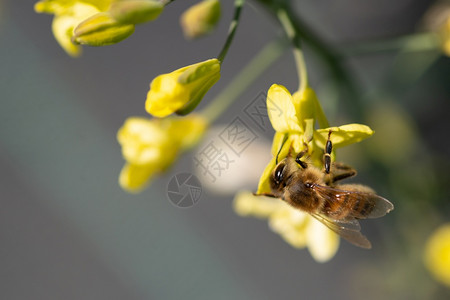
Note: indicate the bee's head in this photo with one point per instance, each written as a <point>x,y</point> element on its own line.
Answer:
<point>281,175</point>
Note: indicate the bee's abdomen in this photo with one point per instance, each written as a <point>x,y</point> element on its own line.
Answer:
<point>349,204</point>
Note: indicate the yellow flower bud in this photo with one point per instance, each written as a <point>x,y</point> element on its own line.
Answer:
<point>100,30</point>
<point>182,90</point>
<point>151,146</point>
<point>437,254</point>
<point>136,11</point>
<point>200,19</point>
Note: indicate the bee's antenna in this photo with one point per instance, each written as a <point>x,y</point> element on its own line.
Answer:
<point>281,147</point>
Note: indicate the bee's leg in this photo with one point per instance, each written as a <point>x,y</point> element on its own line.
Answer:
<point>327,154</point>
<point>340,171</point>
<point>265,194</point>
<point>300,155</point>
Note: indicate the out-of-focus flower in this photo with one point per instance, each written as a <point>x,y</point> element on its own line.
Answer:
<point>445,33</point>
<point>437,19</point>
<point>437,254</point>
<point>136,11</point>
<point>68,14</point>
<point>293,118</point>
<point>200,19</point>
<point>393,124</point>
<point>181,90</point>
<point>223,172</point>
<point>297,228</point>
<point>93,21</point>
<point>150,146</point>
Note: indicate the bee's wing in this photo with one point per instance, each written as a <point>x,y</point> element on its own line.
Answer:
<point>361,204</point>
<point>349,230</point>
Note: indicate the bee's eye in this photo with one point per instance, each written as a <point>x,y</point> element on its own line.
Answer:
<point>278,174</point>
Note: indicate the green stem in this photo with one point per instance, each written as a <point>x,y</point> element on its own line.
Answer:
<point>298,53</point>
<point>410,43</point>
<point>268,55</point>
<point>232,29</point>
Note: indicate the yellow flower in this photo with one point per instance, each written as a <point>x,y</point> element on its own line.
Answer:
<point>200,19</point>
<point>68,14</point>
<point>151,146</point>
<point>297,228</point>
<point>293,117</point>
<point>445,36</point>
<point>437,20</point>
<point>437,254</point>
<point>99,27</point>
<point>182,90</point>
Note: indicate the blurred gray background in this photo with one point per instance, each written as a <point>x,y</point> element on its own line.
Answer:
<point>67,230</point>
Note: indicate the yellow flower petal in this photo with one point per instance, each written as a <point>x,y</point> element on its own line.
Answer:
<point>143,141</point>
<point>64,24</point>
<point>291,224</point>
<point>102,5</point>
<point>133,178</point>
<point>281,109</point>
<point>278,139</point>
<point>437,254</point>
<point>322,242</point>
<point>68,14</point>
<point>305,105</point>
<point>343,135</point>
<point>264,181</point>
<point>247,204</point>
<point>52,7</point>
<point>188,130</point>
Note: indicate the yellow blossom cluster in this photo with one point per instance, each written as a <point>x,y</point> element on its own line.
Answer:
<point>150,146</point>
<point>96,22</point>
<point>294,118</point>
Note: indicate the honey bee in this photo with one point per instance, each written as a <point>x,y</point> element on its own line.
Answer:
<point>337,206</point>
